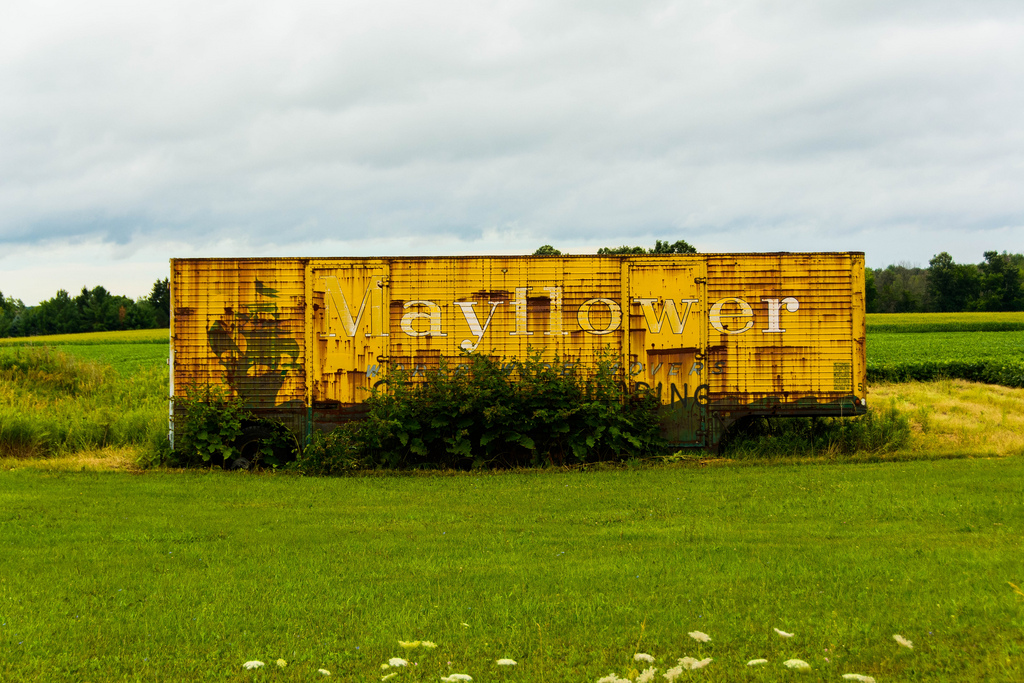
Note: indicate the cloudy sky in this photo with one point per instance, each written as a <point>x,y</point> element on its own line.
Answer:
<point>133,132</point>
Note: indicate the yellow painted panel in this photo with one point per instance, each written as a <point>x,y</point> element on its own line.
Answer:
<point>727,332</point>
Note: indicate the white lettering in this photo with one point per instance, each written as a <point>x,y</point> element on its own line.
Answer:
<point>715,315</point>
<point>337,307</point>
<point>583,316</point>
<point>474,323</point>
<point>669,312</point>
<point>520,307</point>
<point>433,314</point>
<point>774,305</point>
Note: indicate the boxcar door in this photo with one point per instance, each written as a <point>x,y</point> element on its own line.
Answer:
<point>349,329</point>
<point>667,338</point>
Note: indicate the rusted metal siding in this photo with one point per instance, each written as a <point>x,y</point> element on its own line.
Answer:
<point>239,324</point>
<point>783,331</point>
<point>714,336</point>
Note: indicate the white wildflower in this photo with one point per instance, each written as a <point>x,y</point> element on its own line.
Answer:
<point>388,676</point>
<point>783,633</point>
<point>859,677</point>
<point>646,676</point>
<point>690,663</point>
<point>429,645</point>
<point>323,672</point>
<point>798,664</point>
<point>281,663</point>
<point>673,673</point>
<point>700,636</point>
<point>385,666</point>
<point>757,662</point>
<point>903,641</point>
<point>642,657</point>
<point>506,662</point>
<point>409,644</point>
<point>397,661</point>
<point>254,664</point>
<point>457,677</point>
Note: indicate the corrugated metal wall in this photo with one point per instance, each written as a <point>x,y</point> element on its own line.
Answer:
<point>239,324</point>
<point>800,341</point>
<point>719,332</point>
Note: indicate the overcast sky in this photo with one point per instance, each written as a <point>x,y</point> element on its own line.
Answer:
<point>133,132</point>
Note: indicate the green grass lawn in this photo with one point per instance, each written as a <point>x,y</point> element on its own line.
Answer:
<point>185,576</point>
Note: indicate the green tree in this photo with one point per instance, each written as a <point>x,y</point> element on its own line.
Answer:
<point>1000,283</point>
<point>660,248</point>
<point>678,247</point>
<point>870,292</point>
<point>547,250</point>
<point>952,287</point>
<point>160,300</point>
<point>901,289</point>
<point>10,309</point>
<point>623,250</point>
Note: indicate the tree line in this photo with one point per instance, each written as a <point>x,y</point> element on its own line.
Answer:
<point>995,284</point>
<point>94,310</point>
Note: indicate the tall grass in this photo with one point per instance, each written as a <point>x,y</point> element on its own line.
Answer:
<point>53,403</point>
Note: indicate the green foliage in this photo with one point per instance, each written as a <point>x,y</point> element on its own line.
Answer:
<point>879,431</point>
<point>486,413</point>
<point>1007,373</point>
<point>213,427</point>
<point>336,452</point>
<point>660,248</point>
<point>9,310</point>
<point>207,423</point>
<point>547,250</point>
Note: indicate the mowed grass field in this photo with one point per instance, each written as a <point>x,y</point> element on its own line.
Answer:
<point>164,575</point>
<point>187,575</point>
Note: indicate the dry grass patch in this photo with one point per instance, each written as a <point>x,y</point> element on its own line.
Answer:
<point>110,459</point>
<point>955,416</point>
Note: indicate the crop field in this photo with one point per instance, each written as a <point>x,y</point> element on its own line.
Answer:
<point>944,322</point>
<point>887,347</point>
<point>980,347</point>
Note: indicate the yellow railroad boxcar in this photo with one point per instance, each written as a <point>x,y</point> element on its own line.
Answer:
<point>716,336</point>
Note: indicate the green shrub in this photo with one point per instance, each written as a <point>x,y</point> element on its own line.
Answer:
<point>211,427</point>
<point>491,413</point>
<point>207,422</point>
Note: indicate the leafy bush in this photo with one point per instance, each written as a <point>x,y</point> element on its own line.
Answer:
<point>214,428</point>
<point>879,431</point>
<point>487,413</point>
<point>206,424</point>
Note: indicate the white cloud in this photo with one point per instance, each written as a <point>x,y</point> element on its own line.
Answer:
<point>467,127</point>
